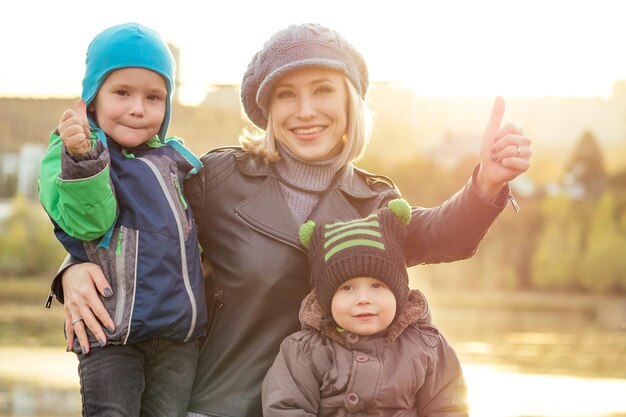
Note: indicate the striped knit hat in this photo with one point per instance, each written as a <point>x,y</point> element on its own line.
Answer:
<point>369,247</point>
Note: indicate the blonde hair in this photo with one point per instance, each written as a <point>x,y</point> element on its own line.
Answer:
<point>263,142</point>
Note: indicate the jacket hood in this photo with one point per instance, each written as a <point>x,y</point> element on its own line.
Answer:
<point>123,46</point>
<point>414,309</point>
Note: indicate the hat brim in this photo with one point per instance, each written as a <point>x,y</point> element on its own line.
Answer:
<point>265,89</point>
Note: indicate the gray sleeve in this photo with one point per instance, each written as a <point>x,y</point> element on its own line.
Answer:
<point>83,166</point>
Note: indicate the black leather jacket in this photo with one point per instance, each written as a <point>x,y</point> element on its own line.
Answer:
<point>259,271</point>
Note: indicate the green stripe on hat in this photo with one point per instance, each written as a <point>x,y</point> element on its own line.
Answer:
<point>352,233</point>
<point>343,226</point>
<point>352,243</point>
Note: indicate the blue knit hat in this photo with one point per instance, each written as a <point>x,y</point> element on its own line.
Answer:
<point>123,46</point>
<point>298,46</point>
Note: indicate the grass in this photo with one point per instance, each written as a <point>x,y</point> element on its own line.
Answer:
<point>24,321</point>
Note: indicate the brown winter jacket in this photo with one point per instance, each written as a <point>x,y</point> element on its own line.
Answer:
<point>408,370</point>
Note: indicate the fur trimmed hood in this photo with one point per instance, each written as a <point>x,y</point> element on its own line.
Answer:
<point>414,309</point>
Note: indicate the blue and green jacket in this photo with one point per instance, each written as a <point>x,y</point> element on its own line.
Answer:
<point>124,210</point>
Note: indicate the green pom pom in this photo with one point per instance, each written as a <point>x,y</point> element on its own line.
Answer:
<point>401,209</point>
<point>306,233</point>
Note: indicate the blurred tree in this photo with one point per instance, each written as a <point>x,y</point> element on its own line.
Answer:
<point>8,185</point>
<point>510,246</point>
<point>617,187</point>
<point>27,243</point>
<point>586,169</point>
<point>604,263</point>
<point>556,262</point>
<point>421,180</point>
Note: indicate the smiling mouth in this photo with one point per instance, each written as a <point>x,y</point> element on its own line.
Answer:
<point>308,130</point>
<point>365,315</point>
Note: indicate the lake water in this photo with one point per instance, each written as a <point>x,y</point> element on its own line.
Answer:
<point>493,391</point>
<point>517,364</point>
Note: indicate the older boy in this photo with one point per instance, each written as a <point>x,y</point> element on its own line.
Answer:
<point>112,184</point>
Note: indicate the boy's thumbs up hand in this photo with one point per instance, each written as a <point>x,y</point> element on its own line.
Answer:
<point>74,129</point>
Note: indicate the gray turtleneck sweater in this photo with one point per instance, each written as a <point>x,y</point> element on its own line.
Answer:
<point>302,182</point>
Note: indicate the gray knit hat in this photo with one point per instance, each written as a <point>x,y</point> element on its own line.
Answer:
<point>298,46</point>
<point>369,247</point>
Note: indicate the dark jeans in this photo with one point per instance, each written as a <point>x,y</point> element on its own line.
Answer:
<point>147,379</point>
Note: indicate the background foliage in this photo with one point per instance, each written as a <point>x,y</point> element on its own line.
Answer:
<point>569,237</point>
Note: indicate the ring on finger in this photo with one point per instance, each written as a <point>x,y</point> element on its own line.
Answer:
<point>76,321</point>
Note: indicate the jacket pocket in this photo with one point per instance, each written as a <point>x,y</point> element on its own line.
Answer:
<point>214,300</point>
<point>119,264</point>
<point>182,207</point>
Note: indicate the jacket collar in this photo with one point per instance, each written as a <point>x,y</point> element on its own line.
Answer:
<point>414,309</point>
<point>279,222</point>
<point>346,179</point>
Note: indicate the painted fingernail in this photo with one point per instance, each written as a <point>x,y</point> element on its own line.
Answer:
<point>108,292</point>
<point>494,157</point>
<point>102,344</point>
<point>67,348</point>
<point>83,350</point>
<point>110,329</point>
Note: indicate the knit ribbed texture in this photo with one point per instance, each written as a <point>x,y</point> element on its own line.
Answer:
<point>370,247</point>
<point>302,183</point>
<point>297,46</point>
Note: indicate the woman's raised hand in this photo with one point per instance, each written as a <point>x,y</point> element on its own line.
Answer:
<point>504,153</point>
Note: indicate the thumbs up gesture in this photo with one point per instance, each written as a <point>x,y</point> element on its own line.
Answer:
<point>504,153</point>
<point>74,129</point>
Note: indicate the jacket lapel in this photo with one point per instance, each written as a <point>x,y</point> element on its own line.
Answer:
<point>334,206</point>
<point>267,212</point>
<point>266,209</point>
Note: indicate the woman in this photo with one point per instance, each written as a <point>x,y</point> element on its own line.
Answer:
<point>305,90</point>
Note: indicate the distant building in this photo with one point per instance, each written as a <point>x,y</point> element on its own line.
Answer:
<point>19,171</point>
<point>554,123</point>
<point>30,157</point>
<point>224,96</point>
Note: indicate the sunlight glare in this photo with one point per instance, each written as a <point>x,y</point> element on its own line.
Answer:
<point>497,392</point>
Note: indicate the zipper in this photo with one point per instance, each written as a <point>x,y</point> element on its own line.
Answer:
<point>132,306</point>
<point>180,194</point>
<point>182,208</point>
<point>120,239</point>
<point>120,275</point>
<point>48,302</point>
<point>217,305</point>
<point>513,202</point>
<point>181,239</point>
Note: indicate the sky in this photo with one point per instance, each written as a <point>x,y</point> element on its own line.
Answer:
<point>463,48</point>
